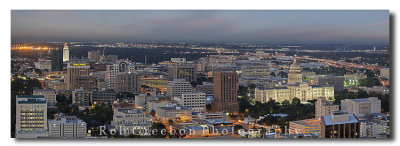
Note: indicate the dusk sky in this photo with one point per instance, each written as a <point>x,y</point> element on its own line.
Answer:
<point>342,27</point>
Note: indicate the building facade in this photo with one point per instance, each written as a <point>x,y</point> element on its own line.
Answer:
<point>225,92</point>
<point>340,125</point>
<point>177,87</point>
<point>31,116</point>
<point>195,101</point>
<point>49,94</point>
<point>103,96</point>
<point>67,127</point>
<point>127,82</point>
<point>57,59</point>
<point>132,121</point>
<point>361,107</point>
<point>186,71</point>
<point>74,70</point>
<point>324,107</point>
<point>81,97</point>
<point>65,53</point>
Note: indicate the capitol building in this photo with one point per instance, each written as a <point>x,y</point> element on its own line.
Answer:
<point>295,87</point>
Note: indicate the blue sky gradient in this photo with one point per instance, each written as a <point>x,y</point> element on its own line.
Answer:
<point>262,26</point>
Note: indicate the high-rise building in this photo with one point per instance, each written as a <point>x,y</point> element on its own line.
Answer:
<point>361,107</point>
<point>225,92</point>
<point>294,75</point>
<point>178,87</point>
<point>81,97</point>
<point>340,125</point>
<point>31,116</point>
<point>57,59</point>
<point>113,70</point>
<point>74,70</point>
<point>49,94</point>
<point>65,53</point>
<point>127,82</point>
<point>186,71</point>
<point>324,108</point>
<point>195,101</point>
<point>94,55</point>
<point>67,127</point>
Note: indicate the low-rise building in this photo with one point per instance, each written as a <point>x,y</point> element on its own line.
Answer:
<point>196,101</point>
<point>49,94</point>
<point>67,127</point>
<point>362,107</point>
<point>179,114</point>
<point>308,126</point>
<point>132,121</point>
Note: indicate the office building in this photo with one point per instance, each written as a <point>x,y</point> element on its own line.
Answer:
<point>340,125</point>
<point>49,95</point>
<point>86,82</point>
<point>74,70</point>
<point>335,81</point>
<point>308,126</point>
<point>67,127</point>
<point>196,101</point>
<point>207,87</point>
<point>225,92</point>
<point>186,71</point>
<point>81,97</point>
<point>251,71</point>
<point>126,119</point>
<point>324,107</point>
<point>178,87</point>
<point>31,116</point>
<point>57,59</point>
<point>113,70</point>
<point>103,96</point>
<point>127,82</point>
<point>65,53</point>
<point>43,65</point>
<point>361,107</point>
<point>177,114</point>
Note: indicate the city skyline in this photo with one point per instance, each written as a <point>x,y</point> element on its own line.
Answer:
<point>260,26</point>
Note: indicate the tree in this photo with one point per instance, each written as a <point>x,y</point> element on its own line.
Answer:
<point>295,101</point>
<point>158,132</point>
<point>272,74</point>
<point>282,74</point>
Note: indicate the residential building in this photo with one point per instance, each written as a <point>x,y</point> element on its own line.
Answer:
<point>81,97</point>
<point>324,107</point>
